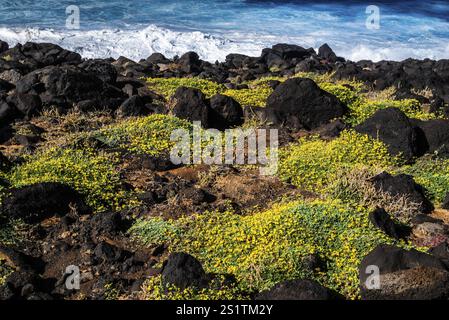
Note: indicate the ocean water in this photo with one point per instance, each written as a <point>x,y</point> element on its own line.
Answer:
<point>215,28</point>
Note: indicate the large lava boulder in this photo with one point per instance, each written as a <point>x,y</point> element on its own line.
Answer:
<point>393,127</point>
<point>8,112</point>
<point>101,68</point>
<point>327,53</point>
<point>299,103</point>
<point>298,290</point>
<point>3,46</point>
<point>66,85</point>
<point>436,134</point>
<point>403,275</point>
<point>37,202</point>
<point>225,112</point>
<point>33,56</point>
<point>184,271</point>
<point>403,185</point>
<point>28,104</point>
<point>190,104</point>
<point>5,86</point>
<point>134,106</point>
<point>190,63</point>
<point>284,51</point>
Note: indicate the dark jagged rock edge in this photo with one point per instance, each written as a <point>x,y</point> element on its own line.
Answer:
<point>37,76</point>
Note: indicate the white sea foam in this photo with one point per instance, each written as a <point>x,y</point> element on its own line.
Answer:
<point>137,44</point>
<point>134,44</point>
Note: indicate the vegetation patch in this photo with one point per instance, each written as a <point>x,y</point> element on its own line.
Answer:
<point>148,135</point>
<point>355,188</point>
<point>153,231</point>
<point>433,174</point>
<point>265,248</point>
<point>255,97</point>
<point>312,163</point>
<point>154,289</point>
<point>12,233</point>
<point>92,173</point>
<point>5,271</point>
<point>362,110</point>
<point>167,86</point>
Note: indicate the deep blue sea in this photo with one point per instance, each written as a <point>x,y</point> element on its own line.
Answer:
<point>214,28</point>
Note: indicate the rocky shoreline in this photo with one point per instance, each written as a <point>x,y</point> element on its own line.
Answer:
<point>61,228</point>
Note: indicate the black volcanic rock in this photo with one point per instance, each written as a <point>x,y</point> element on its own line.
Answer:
<point>184,271</point>
<point>382,220</point>
<point>327,53</point>
<point>299,103</point>
<point>289,51</point>
<point>225,113</point>
<point>298,290</point>
<point>35,203</point>
<point>5,86</point>
<point>103,69</point>
<point>403,185</point>
<point>404,275</point>
<point>390,259</point>
<point>28,104</point>
<point>157,58</point>
<point>436,134</point>
<point>67,85</point>
<point>237,61</point>
<point>8,112</point>
<point>190,63</point>
<point>392,127</point>
<point>190,104</point>
<point>408,76</point>
<point>133,106</point>
<point>284,56</point>
<point>32,56</point>
<point>3,46</point>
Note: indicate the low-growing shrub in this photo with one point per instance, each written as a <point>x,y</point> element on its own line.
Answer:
<point>362,110</point>
<point>355,188</point>
<point>153,231</point>
<point>313,163</point>
<point>154,289</point>
<point>167,86</point>
<point>148,135</point>
<point>92,173</point>
<point>13,232</point>
<point>253,97</point>
<point>347,94</point>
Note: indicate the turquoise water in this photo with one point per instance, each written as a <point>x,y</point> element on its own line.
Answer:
<point>215,28</point>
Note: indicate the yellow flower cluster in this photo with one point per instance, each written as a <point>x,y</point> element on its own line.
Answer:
<point>92,173</point>
<point>312,163</point>
<point>167,86</point>
<point>361,110</point>
<point>265,248</point>
<point>149,135</point>
<point>5,271</point>
<point>253,97</point>
<point>154,289</point>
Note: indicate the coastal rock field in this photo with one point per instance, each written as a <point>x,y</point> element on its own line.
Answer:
<point>86,179</point>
